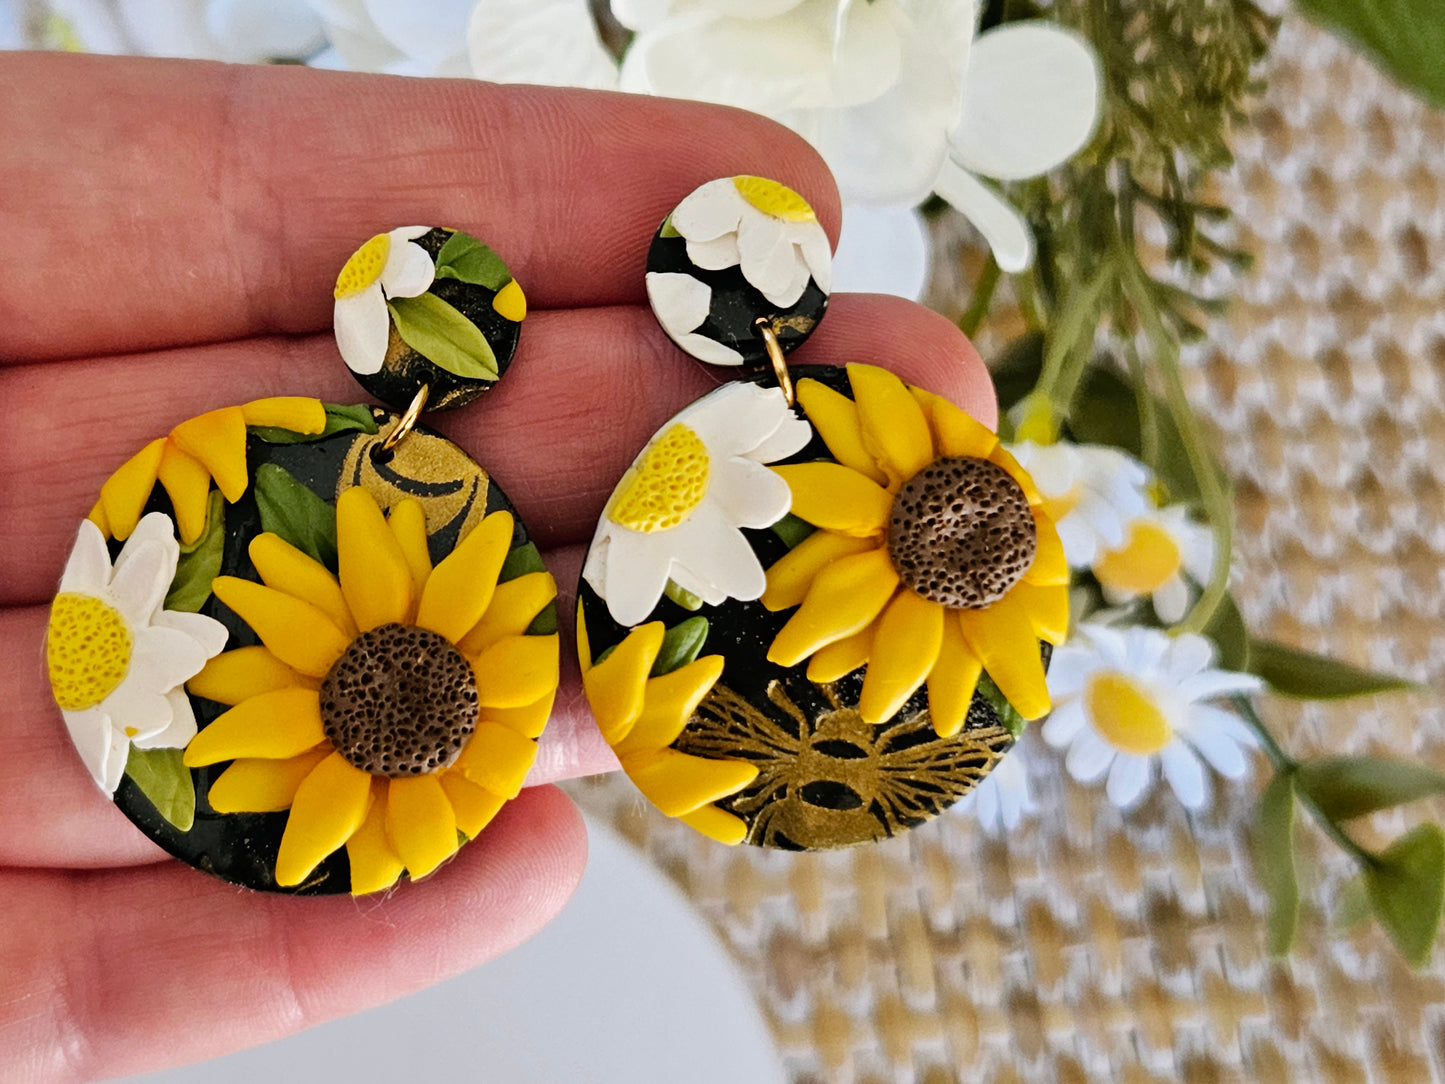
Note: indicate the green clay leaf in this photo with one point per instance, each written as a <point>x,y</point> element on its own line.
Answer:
<point>680,645</point>
<point>294,512</point>
<point>1405,37</point>
<point>1271,840</point>
<point>792,530</point>
<point>1347,787</point>
<point>339,419</point>
<point>668,229</point>
<point>441,334</point>
<point>200,561</point>
<point>682,596</point>
<point>520,561</point>
<point>545,623</point>
<point>1008,715</point>
<point>1226,629</point>
<point>166,782</point>
<point>466,259</point>
<point>1305,676</point>
<point>1406,886</point>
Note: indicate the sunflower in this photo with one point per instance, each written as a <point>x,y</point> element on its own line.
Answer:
<point>390,706</point>
<point>933,561</point>
<point>641,713</point>
<point>185,460</point>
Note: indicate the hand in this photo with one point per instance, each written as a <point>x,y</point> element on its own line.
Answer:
<point>172,231</point>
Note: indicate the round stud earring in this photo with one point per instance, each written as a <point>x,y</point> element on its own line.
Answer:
<point>813,614</point>
<point>319,652</point>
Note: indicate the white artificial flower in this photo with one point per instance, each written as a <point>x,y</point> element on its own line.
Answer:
<point>677,511</point>
<point>1003,798</point>
<point>235,30</point>
<point>388,265</point>
<point>883,250</point>
<point>548,42</point>
<point>1160,546</point>
<point>118,659</point>
<point>1128,699</point>
<point>1091,491</point>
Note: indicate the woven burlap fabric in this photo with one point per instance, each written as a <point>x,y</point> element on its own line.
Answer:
<point>1090,945</point>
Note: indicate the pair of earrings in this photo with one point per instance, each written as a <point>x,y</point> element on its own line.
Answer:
<point>309,647</point>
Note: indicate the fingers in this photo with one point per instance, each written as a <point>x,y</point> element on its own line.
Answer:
<point>148,203</point>
<point>111,973</point>
<point>587,389</point>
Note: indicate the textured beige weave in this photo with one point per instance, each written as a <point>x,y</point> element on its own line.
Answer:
<point>1091,946</point>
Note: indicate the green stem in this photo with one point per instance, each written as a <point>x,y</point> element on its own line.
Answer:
<point>1149,439</point>
<point>983,293</point>
<point>1077,320</point>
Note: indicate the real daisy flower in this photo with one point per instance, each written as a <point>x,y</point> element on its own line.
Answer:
<point>934,558</point>
<point>641,714</point>
<point>117,657</point>
<point>1160,547</point>
<point>387,707</point>
<point>1091,491</point>
<point>212,446</point>
<point>677,511</point>
<point>390,264</point>
<point>1002,798</point>
<point>1128,700</point>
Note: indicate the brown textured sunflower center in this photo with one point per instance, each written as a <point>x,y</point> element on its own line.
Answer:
<point>962,533</point>
<point>400,701</point>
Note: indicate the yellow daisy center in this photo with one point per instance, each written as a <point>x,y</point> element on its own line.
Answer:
<point>774,199</point>
<point>665,486</point>
<point>364,267</point>
<point>1125,714</point>
<point>88,648</point>
<point>1145,563</point>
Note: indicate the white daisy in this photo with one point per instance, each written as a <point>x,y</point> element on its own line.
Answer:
<point>677,511</point>
<point>1091,490</point>
<point>388,265</point>
<point>1125,699</point>
<point>1002,800</point>
<point>118,659</point>
<point>758,224</point>
<point>1160,547</point>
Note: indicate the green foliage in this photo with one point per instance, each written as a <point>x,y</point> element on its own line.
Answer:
<point>440,333</point>
<point>520,561</point>
<point>1406,888</point>
<point>792,530</point>
<point>200,561</point>
<point>1272,843</point>
<point>339,419</point>
<point>464,258</point>
<point>682,596</point>
<point>1227,631</point>
<point>1346,787</point>
<point>166,783</point>
<point>680,645</point>
<point>1008,715</point>
<point>1405,37</point>
<point>294,512</point>
<point>1305,676</point>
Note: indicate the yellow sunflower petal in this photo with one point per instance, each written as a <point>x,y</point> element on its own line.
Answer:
<point>835,417</point>
<point>845,597</point>
<point>374,865</point>
<point>1016,471</point>
<point>408,522</point>
<point>375,576</point>
<point>1047,607</point>
<point>792,574</point>
<point>126,491</point>
<point>837,498</point>
<point>1050,566</point>
<point>218,440</point>
<point>498,758</point>
<point>905,646</point>
<point>285,568</point>
<point>273,726</point>
<point>516,671</point>
<point>895,429</point>
<point>514,607</point>
<point>529,720</point>
<point>952,681</point>
<point>459,589</point>
<point>841,656</point>
<point>420,823</point>
<point>330,805</point>
<point>679,783</point>
<point>252,785</point>
<point>189,485</point>
<point>616,686</point>
<point>298,413</point>
<point>956,433</point>
<point>668,704</point>
<point>1003,638</point>
<point>474,806</point>
<point>297,633</point>
<point>717,824</point>
<point>99,518</point>
<point>243,673</point>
